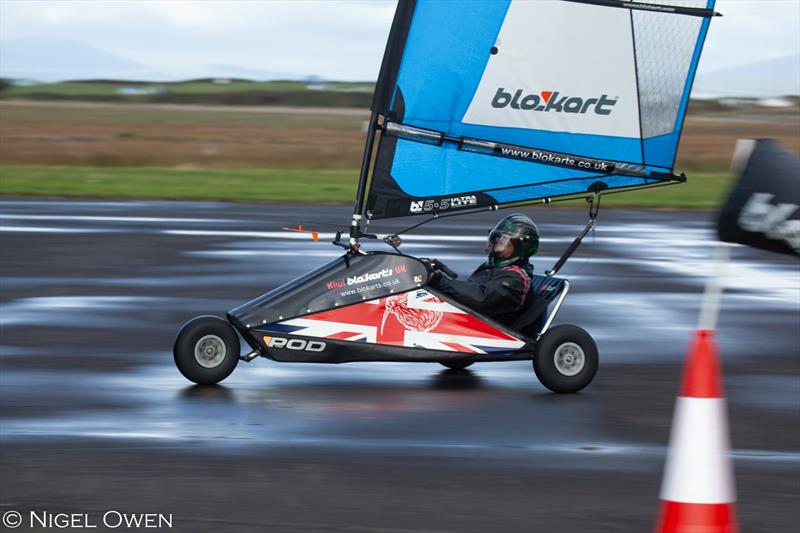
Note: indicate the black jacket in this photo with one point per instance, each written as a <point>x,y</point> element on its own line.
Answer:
<point>496,292</point>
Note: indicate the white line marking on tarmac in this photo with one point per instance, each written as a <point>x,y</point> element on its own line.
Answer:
<point>248,253</point>
<point>301,236</point>
<point>44,229</point>
<point>323,236</point>
<point>117,219</point>
<point>285,235</point>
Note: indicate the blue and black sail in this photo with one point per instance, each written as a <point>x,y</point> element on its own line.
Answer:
<point>486,103</point>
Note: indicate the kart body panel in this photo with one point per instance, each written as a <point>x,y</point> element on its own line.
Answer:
<point>373,306</point>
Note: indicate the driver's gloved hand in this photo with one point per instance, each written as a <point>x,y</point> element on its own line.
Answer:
<point>436,271</point>
<point>430,264</point>
<point>444,269</point>
<point>434,275</point>
<point>434,278</point>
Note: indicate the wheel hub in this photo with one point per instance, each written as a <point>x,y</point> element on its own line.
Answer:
<point>569,359</point>
<point>209,351</point>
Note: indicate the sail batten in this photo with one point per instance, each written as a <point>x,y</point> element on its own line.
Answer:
<point>549,98</point>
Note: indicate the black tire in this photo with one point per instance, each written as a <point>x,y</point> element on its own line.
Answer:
<point>561,351</point>
<point>460,364</point>
<point>206,350</point>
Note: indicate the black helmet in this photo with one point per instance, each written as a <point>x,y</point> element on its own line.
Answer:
<point>518,229</point>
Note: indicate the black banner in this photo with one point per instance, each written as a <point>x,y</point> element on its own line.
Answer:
<point>763,208</point>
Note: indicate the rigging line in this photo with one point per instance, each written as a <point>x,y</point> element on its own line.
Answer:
<point>588,257</point>
<point>415,226</point>
<point>594,206</point>
<point>594,210</point>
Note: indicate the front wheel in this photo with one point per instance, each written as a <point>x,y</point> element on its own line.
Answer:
<point>565,359</point>
<point>206,350</point>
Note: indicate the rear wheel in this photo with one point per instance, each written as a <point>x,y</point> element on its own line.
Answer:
<point>460,364</point>
<point>566,359</point>
<point>206,350</point>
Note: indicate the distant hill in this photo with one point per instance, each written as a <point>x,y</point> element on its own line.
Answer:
<point>772,77</point>
<point>57,59</point>
<point>52,60</point>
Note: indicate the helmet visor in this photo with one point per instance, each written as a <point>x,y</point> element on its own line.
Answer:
<point>497,243</point>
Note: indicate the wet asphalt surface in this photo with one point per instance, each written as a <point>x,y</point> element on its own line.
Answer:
<point>95,416</point>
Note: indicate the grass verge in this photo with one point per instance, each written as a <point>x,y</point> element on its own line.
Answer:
<point>704,190</point>
<point>260,185</point>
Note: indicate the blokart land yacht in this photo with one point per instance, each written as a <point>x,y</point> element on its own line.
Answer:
<point>470,116</point>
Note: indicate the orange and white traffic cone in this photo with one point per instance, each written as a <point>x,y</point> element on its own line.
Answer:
<point>698,493</point>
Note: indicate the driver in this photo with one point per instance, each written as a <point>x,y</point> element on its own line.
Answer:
<point>499,287</point>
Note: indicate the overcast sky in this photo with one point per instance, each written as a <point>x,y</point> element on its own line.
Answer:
<point>336,40</point>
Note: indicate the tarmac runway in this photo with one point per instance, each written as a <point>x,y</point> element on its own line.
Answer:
<point>95,417</point>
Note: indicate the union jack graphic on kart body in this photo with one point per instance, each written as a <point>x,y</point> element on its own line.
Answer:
<point>412,319</point>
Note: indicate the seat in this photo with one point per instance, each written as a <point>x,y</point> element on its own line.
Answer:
<point>544,290</point>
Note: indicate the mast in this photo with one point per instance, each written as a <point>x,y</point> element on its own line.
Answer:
<point>358,207</point>
<point>381,102</point>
